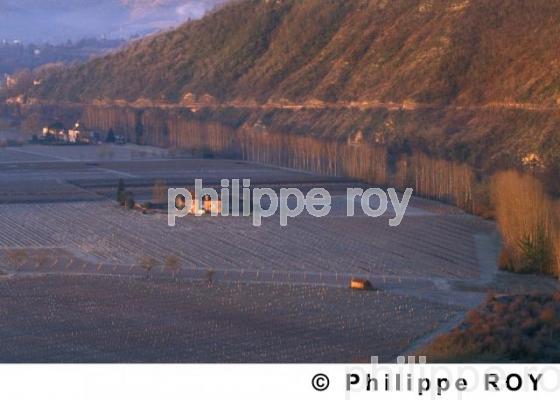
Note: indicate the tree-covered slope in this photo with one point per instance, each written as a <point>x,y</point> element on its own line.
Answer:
<point>467,52</point>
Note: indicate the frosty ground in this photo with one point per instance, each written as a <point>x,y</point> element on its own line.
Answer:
<point>278,293</point>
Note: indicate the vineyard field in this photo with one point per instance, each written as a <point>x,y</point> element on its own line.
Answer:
<point>101,319</point>
<point>84,279</point>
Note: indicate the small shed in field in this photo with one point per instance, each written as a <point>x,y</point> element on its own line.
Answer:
<point>360,284</point>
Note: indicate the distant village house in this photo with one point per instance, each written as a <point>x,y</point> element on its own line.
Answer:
<point>57,133</point>
<point>206,206</point>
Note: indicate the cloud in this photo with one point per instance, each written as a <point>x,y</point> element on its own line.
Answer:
<point>183,8</point>
<point>59,20</point>
<point>193,9</point>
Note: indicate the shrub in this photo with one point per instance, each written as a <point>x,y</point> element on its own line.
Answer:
<point>121,192</point>
<point>537,251</point>
<point>548,315</point>
<point>129,200</point>
<point>523,328</point>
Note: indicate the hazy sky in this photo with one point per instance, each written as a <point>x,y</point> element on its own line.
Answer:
<point>60,20</point>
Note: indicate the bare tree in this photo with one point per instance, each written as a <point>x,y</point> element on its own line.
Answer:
<point>147,264</point>
<point>41,259</point>
<point>172,263</point>
<point>159,192</point>
<point>210,277</point>
<point>526,218</point>
<point>17,257</point>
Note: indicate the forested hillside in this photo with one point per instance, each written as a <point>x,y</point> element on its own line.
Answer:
<point>466,52</point>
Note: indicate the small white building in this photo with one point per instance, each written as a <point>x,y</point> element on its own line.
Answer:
<point>74,133</point>
<point>55,132</point>
<point>11,81</point>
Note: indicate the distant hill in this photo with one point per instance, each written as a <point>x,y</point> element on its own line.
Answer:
<point>435,52</point>
<point>14,57</point>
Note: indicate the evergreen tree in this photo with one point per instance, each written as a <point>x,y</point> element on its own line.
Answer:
<point>110,136</point>
<point>121,192</point>
<point>139,130</point>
